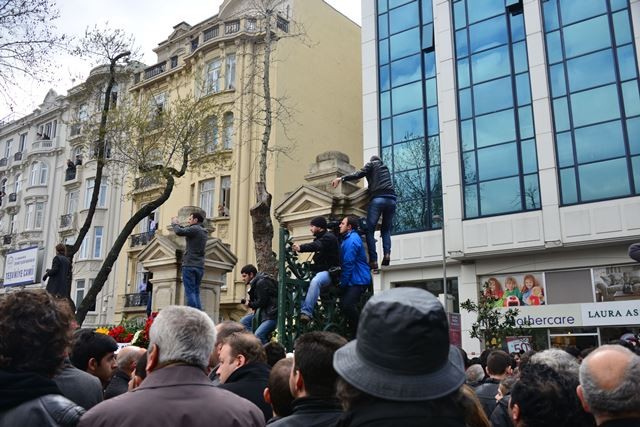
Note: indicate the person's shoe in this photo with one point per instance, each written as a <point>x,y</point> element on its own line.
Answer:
<point>386,260</point>
<point>304,319</point>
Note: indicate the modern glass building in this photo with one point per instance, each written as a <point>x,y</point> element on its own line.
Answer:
<point>518,123</point>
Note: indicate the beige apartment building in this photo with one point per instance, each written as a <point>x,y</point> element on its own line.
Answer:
<point>318,76</point>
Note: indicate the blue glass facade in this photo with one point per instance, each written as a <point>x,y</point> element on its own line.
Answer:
<point>497,143</point>
<point>593,79</point>
<point>408,107</point>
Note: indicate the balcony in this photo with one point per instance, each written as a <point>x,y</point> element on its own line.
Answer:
<point>155,70</point>
<point>3,162</point>
<point>43,144</point>
<point>13,198</point>
<point>141,239</point>
<point>231,27</point>
<point>17,157</point>
<point>136,300</point>
<point>210,33</point>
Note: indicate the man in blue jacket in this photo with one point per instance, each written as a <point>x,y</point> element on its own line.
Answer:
<point>356,275</point>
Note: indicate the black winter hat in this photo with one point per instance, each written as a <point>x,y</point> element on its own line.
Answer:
<point>319,221</point>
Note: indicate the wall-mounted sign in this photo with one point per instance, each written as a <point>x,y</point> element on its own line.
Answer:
<point>20,267</point>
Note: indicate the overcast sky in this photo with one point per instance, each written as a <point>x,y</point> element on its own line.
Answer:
<point>150,22</point>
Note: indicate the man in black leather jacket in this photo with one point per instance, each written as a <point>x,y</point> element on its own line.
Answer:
<point>382,202</point>
<point>327,255</point>
<point>35,333</point>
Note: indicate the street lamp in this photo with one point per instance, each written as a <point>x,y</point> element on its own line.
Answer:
<point>438,218</point>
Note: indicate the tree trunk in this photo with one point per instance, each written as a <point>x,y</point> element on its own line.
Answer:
<point>103,274</point>
<point>261,211</point>
<point>100,161</point>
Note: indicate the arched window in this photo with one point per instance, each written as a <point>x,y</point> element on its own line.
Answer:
<point>39,173</point>
<point>228,131</point>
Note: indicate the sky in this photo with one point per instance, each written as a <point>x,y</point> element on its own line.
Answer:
<point>150,22</point>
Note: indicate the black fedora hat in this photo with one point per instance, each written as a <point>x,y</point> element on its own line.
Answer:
<point>402,349</point>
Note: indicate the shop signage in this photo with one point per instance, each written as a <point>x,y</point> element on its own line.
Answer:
<point>549,316</point>
<point>611,313</point>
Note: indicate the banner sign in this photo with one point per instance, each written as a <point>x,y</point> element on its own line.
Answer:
<point>517,344</point>
<point>20,267</point>
<point>611,313</point>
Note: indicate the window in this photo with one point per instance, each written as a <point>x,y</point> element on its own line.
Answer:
<point>71,204</point>
<point>102,195</point>
<point>81,291</point>
<point>13,224</point>
<point>84,248</point>
<point>212,135</point>
<point>97,242</point>
<point>83,112</point>
<point>408,102</point>
<point>225,196</point>
<point>34,216</point>
<point>3,187</point>
<point>47,130</point>
<point>213,76</point>
<point>228,131</point>
<point>23,142</point>
<point>596,115</point>
<point>497,137</point>
<point>207,191</point>
<point>230,72</point>
<point>157,107</point>
<point>39,173</point>
<point>17,183</point>
<point>7,148</point>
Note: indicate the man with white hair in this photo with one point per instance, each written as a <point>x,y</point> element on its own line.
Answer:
<point>610,386</point>
<point>177,390</point>
<point>126,359</point>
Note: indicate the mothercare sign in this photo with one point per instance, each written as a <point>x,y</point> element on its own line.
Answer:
<point>20,267</point>
<point>588,314</point>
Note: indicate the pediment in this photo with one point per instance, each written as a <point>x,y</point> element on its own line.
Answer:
<point>162,250</point>
<point>179,30</point>
<point>304,199</point>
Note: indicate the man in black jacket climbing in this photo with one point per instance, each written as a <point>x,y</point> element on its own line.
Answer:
<point>263,300</point>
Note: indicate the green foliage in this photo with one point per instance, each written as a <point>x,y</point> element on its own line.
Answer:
<point>493,324</point>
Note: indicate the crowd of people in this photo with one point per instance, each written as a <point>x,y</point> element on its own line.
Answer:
<point>401,370</point>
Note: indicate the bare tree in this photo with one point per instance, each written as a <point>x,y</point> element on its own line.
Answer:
<point>139,141</point>
<point>28,41</point>
<point>275,24</point>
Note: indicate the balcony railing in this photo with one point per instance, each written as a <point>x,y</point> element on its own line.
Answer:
<point>136,300</point>
<point>66,221</point>
<point>282,24</point>
<point>44,143</point>
<point>4,161</point>
<point>6,240</point>
<point>155,70</point>
<point>141,239</point>
<point>13,197</point>
<point>210,33</point>
<point>17,156</point>
<point>231,27</point>
<point>70,174</point>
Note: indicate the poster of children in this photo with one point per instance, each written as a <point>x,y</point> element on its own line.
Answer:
<point>514,289</point>
<point>616,283</point>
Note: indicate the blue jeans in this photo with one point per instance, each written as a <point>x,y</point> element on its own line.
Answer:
<point>320,280</point>
<point>191,278</point>
<point>264,330</point>
<point>385,206</point>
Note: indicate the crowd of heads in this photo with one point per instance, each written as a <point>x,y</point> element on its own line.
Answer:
<point>401,365</point>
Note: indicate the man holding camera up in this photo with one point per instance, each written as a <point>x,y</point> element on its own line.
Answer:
<point>356,275</point>
<point>327,256</point>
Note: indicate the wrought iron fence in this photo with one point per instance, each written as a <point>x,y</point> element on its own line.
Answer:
<point>293,285</point>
